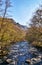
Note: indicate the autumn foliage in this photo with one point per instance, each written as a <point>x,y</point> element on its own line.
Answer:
<point>34,33</point>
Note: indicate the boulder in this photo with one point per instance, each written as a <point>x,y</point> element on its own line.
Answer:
<point>1,61</point>
<point>33,60</point>
<point>28,61</point>
<point>5,57</point>
<point>9,60</point>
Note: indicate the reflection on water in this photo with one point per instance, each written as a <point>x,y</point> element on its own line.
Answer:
<point>19,52</point>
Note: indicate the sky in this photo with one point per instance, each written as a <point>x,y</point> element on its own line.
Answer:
<point>23,10</point>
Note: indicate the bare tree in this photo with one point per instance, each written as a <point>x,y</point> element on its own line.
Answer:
<point>34,34</point>
<point>7,5</point>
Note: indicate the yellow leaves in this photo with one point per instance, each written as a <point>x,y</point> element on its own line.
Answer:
<point>36,43</point>
<point>10,31</point>
<point>6,36</point>
<point>34,35</point>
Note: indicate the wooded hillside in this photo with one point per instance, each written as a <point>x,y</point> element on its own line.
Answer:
<point>34,33</point>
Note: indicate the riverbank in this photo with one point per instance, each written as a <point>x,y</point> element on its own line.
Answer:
<point>19,53</point>
<point>38,47</point>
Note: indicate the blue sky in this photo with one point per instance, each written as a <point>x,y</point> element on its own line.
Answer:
<point>22,10</point>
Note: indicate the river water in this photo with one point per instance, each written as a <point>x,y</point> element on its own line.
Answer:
<point>19,52</point>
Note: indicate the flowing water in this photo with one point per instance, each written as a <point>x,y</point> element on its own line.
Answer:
<point>19,52</point>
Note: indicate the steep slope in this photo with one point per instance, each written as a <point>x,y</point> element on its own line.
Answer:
<point>10,31</point>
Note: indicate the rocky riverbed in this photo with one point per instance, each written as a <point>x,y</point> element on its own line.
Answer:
<point>22,53</point>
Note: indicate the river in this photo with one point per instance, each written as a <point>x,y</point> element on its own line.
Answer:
<point>19,52</point>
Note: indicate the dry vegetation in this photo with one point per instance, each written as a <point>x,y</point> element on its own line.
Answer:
<point>10,33</point>
<point>34,33</point>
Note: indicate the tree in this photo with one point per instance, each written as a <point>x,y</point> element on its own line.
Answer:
<point>7,5</point>
<point>34,33</point>
<point>3,26</point>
